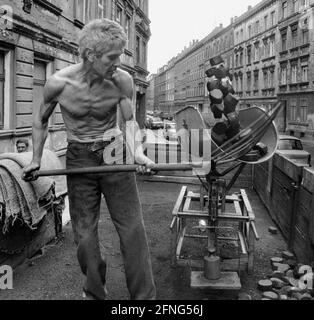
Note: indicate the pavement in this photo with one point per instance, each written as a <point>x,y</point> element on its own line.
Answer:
<point>54,274</point>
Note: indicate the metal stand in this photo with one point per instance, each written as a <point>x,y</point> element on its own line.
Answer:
<point>244,234</point>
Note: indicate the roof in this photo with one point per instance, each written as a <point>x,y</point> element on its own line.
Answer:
<point>285,136</point>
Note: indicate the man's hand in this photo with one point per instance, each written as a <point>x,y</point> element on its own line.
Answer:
<point>30,172</point>
<point>144,162</point>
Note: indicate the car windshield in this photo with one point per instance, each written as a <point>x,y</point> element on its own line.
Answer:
<point>290,144</point>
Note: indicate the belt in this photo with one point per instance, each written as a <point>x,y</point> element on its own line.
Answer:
<point>93,146</point>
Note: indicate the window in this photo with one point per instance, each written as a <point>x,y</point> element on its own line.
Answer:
<point>304,73</point>
<point>101,8</point>
<point>250,31</point>
<point>257,26</point>
<point>272,18</point>
<point>138,49</point>
<point>241,59</point>
<point>271,83</point>
<point>119,14</point>
<point>256,52</point>
<point>128,28</point>
<point>248,81</point>
<point>266,48</point>
<point>303,110</point>
<point>39,81</point>
<point>305,36</point>
<point>294,73</point>
<point>265,22</point>
<point>144,53</point>
<point>249,54</point>
<point>289,144</point>
<point>304,3</point>
<point>256,79</point>
<point>236,83</point>
<point>294,31</point>
<point>295,6</point>
<point>283,75</point>
<point>293,110</point>
<point>241,82</point>
<point>284,41</point>
<point>83,12</point>
<point>284,10</point>
<point>272,47</point>
<point>2,78</point>
<point>265,79</point>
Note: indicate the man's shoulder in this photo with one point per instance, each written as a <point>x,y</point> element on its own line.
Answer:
<point>66,74</point>
<point>124,81</point>
<point>123,76</point>
<point>58,80</point>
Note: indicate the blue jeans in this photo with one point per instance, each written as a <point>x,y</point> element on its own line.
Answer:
<point>121,195</point>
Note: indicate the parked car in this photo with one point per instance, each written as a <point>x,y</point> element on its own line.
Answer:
<point>156,123</point>
<point>153,123</point>
<point>292,148</point>
<point>170,131</point>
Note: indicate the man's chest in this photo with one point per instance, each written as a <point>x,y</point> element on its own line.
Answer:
<point>79,99</point>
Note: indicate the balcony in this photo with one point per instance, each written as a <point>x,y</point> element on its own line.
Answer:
<point>293,86</point>
<point>268,58</point>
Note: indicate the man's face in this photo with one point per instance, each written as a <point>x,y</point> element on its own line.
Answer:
<point>106,64</point>
<point>21,147</point>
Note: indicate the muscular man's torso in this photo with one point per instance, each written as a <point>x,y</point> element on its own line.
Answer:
<point>88,110</point>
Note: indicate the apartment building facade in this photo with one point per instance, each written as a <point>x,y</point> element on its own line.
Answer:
<point>189,77</point>
<point>269,50</point>
<point>296,74</point>
<point>255,59</point>
<point>38,38</point>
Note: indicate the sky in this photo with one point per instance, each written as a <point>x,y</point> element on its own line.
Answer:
<point>174,23</point>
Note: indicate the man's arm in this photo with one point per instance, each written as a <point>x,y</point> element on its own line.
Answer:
<point>41,116</point>
<point>133,133</point>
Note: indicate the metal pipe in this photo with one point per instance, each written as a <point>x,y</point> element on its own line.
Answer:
<point>118,168</point>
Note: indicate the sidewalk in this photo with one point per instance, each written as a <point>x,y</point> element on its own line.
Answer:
<point>55,275</point>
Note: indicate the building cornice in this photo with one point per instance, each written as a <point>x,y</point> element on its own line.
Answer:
<point>44,36</point>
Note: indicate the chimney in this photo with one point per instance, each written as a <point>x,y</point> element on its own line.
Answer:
<point>220,25</point>
<point>235,18</point>
<point>249,8</point>
<point>231,21</point>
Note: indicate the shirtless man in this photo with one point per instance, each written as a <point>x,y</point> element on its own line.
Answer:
<point>89,94</point>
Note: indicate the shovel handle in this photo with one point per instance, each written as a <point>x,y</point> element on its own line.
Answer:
<point>118,168</point>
